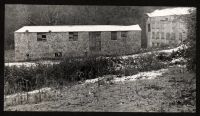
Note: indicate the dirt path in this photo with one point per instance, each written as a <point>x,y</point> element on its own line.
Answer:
<point>142,95</point>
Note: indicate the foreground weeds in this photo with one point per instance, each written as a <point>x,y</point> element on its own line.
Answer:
<point>173,91</point>
<point>72,70</point>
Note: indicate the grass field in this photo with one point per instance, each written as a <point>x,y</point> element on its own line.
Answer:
<point>153,82</point>
<point>173,91</point>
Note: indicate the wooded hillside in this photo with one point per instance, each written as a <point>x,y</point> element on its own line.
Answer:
<point>17,16</point>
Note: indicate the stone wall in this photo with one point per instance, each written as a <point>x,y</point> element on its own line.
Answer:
<point>21,46</point>
<point>120,46</point>
<point>26,43</point>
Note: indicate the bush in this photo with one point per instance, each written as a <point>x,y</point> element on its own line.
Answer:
<point>70,70</point>
<point>142,63</point>
<point>75,69</point>
<point>162,56</point>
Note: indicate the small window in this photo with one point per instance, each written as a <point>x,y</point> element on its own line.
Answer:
<point>153,25</point>
<point>41,37</point>
<point>162,35</point>
<point>162,25</point>
<point>173,36</point>
<point>157,35</point>
<point>124,34</point>
<point>153,35</point>
<point>157,44</point>
<point>58,54</point>
<point>157,25</point>
<point>149,28</point>
<point>113,35</point>
<point>168,36</point>
<point>27,55</point>
<point>153,44</point>
<point>180,36</point>
<point>73,36</point>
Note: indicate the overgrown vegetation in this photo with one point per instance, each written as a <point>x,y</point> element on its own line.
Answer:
<point>75,69</point>
<point>173,91</point>
<point>190,52</point>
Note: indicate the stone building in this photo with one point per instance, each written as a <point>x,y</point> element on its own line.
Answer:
<point>36,42</point>
<point>166,27</point>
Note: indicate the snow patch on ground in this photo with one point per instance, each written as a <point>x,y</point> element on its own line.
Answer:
<point>141,75</point>
<point>135,55</point>
<point>165,51</point>
<point>181,59</point>
<point>174,49</point>
<point>29,64</point>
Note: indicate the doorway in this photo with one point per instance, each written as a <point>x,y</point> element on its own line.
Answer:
<point>95,42</point>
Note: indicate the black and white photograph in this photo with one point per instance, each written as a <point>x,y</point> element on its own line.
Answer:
<point>99,58</point>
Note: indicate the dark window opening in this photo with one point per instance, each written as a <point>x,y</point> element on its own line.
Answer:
<point>162,35</point>
<point>180,36</point>
<point>113,35</point>
<point>173,36</point>
<point>153,35</point>
<point>168,36</point>
<point>124,34</point>
<point>157,25</point>
<point>157,35</point>
<point>58,54</point>
<point>149,28</point>
<point>73,36</point>
<point>41,37</point>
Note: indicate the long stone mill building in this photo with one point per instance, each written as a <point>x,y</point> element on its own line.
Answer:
<point>36,42</point>
<point>166,26</point>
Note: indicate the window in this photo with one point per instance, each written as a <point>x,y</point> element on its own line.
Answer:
<point>173,36</point>
<point>41,37</point>
<point>168,36</point>
<point>124,34</point>
<point>58,54</point>
<point>153,44</point>
<point>162,26</point>
<point>157,35</point>
<point>73,36</point>
<point>157,44</point>
<point>153,25</point>
<point>180,36</point>
<point>113,35</point>
<point>153,35</point>
<point>149,28</point>
<point>27,55</point>
<point>162,35</point>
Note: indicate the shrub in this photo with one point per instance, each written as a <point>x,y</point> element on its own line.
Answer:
<point>70,69</point>
<point>162,56</point>
<point>142,63</point>
<point>76,69</point>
